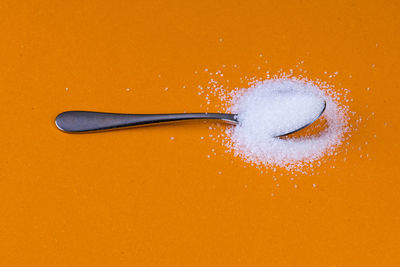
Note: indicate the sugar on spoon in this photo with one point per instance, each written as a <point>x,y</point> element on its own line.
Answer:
<point>89,121</point>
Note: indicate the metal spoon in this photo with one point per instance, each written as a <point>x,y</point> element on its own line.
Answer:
<point>89,121</point>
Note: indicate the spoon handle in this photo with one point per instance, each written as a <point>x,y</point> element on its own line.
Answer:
<point>88,121</point>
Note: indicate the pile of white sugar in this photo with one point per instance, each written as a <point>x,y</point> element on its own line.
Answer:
<point>278,106</point>
<point>269,111</point>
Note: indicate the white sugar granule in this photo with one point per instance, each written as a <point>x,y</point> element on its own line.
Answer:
<point>264,112</point>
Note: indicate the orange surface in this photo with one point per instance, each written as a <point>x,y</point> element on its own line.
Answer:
<point>136,197</point>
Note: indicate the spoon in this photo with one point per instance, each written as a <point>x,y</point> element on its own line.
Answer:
<point>89,121</point>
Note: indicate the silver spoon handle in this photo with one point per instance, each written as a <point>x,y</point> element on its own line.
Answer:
<point>88,121</point>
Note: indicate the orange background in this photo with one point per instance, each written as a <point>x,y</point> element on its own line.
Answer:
<point>136,197</point>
